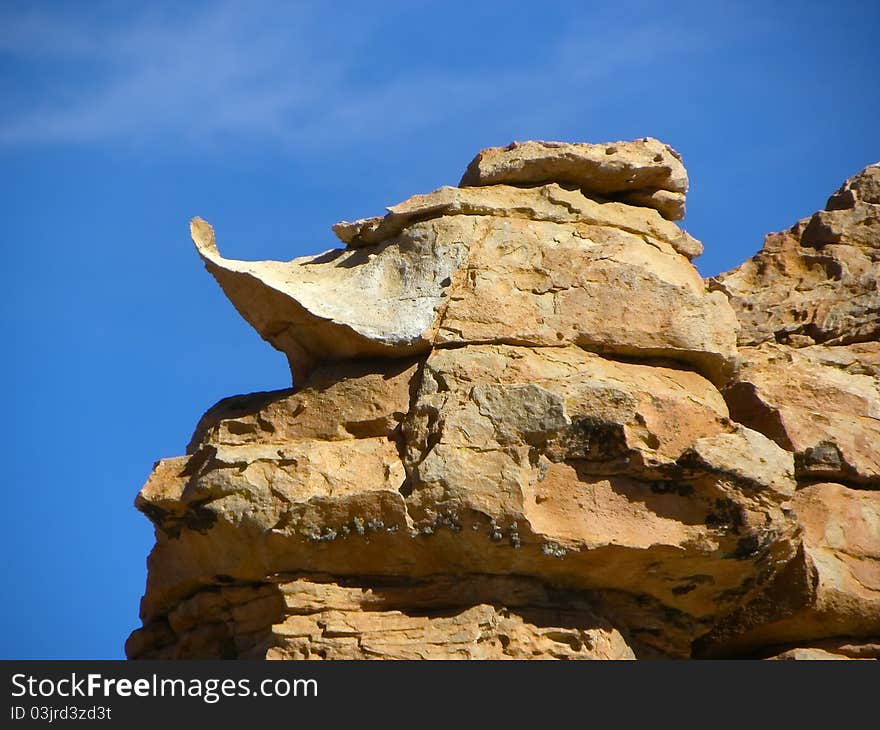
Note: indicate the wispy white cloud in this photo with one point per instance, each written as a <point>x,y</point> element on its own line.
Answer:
<point>292,73</point>
<point>222,69</point>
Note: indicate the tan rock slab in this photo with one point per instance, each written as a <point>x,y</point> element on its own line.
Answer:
<point>476,278</point>
<point>822,403</point>
<point>337,402</point>
<point>444,617</point>
<point>554,463</point>
<point>832,590</point>
<point>645,171</point>
<point>551,202</point>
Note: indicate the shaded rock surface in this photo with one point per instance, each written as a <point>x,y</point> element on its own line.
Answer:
<point>521,427</point>
<point>831,590</point>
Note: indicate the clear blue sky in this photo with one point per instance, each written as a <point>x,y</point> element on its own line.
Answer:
<point>120,121</point>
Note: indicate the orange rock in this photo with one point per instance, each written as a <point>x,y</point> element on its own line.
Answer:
<point>521,427</point>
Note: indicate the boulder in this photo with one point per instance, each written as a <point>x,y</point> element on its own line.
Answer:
<point>643,172</point>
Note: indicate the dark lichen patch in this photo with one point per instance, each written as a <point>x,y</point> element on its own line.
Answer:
<point>154,514</point>
<point>825,461</point>
<point>699,579</point>
<point>825,456</point>
<point>735,594</point>
<point>592,439</point>
<point>199,518</point>
<point>726,515</point>
<point>746,547</point>
<point>682,489</point>
<point>170,523</point>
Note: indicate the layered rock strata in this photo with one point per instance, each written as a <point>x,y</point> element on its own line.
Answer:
<point>809,378</point>
<point>521,427</point>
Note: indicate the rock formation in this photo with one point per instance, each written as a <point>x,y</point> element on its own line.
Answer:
<point>522,426</point>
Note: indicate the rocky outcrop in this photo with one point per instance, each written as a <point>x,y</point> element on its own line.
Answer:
<point>830,592</point>
<point>642,172</point>
<point>541,267</point>
<point>821,403</point>
<point>521,427</point>
<point>809,378</point>
<point>817,282</point>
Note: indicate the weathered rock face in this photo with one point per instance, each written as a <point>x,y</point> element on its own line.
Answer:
<point>809,378</point>
<point>822,403</point>
<point>643,172</point>
<point>816,282</point>
<point>831,591</point>
<point>520,427</point>
<point>543,266</point>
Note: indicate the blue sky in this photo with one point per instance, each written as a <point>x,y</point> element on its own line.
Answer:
<point>120,121</point>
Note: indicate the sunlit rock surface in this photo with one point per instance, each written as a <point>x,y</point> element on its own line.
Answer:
<point>521,427</point>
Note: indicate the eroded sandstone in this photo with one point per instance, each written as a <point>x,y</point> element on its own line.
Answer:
<point>818,282</point>
<point>612,281</point>
<point>521,427</point>
<point>642,172</point>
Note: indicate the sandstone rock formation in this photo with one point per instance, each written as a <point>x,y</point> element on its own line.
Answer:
<point>641,172</point>
<point>521,426</point>
<point>816,283</point>
<point>809,378</point>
